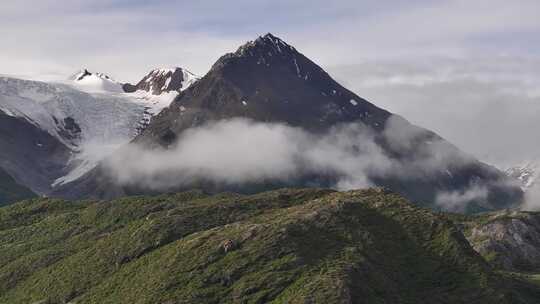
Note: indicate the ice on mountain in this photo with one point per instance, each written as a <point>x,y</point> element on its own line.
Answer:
<point>353,102</point>
<point>105,118</point>
<point>189,79</point>
<point>528,173</point>
<point>297,68</point>
<point>97,83</point>
<point>166,85</point>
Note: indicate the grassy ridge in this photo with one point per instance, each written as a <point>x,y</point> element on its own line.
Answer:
<point>284,246</point>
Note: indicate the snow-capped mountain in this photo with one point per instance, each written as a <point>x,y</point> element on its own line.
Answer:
<point>71,115</point>
<point>527,173</point>
<point>95,82</point>
<point>90,114</point>
<point>159,88</point>
<point>159,81</point>
<point>268,80</point>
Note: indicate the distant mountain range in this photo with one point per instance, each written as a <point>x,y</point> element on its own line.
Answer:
<point>264,81</point>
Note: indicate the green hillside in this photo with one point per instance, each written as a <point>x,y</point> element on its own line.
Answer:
<point>11,191</point>
<point>284,246</point>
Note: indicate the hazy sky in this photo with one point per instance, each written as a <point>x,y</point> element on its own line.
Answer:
<point>127,37</point>
<point>466,68</point>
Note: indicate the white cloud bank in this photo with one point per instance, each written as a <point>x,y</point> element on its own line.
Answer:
<point>240,151</point>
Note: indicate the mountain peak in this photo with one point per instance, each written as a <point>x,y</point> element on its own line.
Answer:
<point>268,80</point>
<point>268,45</point>
<point>95,82</point>
<point>161,80</point>
<point>263,50</point>
<point>84,73</point>
<point>272,40</point>
<point>80,74</point>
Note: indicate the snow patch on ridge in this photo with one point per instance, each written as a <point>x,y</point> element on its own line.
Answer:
<point>528,173</point>
<point>95,82</point>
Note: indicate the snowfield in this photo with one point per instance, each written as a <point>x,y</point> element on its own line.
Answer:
<point>89,113</point>
<point>528,173</point>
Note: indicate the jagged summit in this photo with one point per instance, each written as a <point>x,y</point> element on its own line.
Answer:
<point>264,50</point>
<point>527,173</point>
<point>79,76</point>
<point>84,73</point>
<point>95,82</point>
<point>162,80</point>
<point>269,43</point>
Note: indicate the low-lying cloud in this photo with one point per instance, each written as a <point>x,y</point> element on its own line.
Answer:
<point>241,151</point>
<point>532,198</point>
<point>488,106</point>
<point>456,201</point>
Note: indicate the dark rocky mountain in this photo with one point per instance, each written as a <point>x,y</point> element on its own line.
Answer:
<point>30,154</point>
<point>507,239</point>
<point>267,80</point>
<point>159,81</point>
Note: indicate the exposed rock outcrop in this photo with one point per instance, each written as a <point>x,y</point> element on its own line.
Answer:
<point>507,239</point>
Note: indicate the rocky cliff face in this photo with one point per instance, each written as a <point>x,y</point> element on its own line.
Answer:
<point>507,239</point>
<point>160,81</point>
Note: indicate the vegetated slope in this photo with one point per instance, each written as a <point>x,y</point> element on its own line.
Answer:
<point>283,246</point>
<point>11,191</point>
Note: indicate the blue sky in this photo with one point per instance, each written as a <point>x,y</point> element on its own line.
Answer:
<point>467,69</point>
